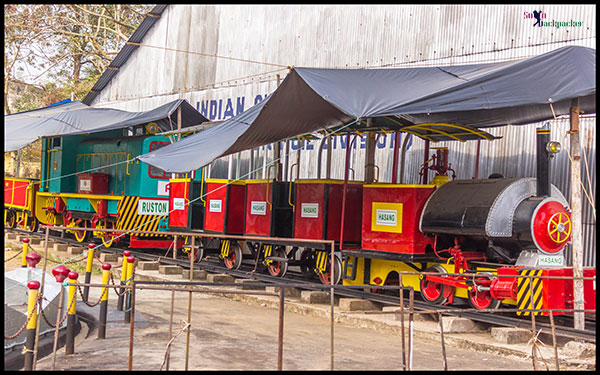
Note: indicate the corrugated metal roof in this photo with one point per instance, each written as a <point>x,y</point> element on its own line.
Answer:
<point>125,52</point>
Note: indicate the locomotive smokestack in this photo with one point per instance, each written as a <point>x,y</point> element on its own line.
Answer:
<point>543,160</point>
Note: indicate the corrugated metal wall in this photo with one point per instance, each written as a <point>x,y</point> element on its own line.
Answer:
<point>225,58</point>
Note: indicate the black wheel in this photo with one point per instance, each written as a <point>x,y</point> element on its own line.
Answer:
<point>432,291</point>
<point>308,263</point>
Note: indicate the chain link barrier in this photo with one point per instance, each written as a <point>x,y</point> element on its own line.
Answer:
<point>16,255</point>
<point>26,321</point>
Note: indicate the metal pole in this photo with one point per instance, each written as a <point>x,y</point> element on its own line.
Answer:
<point>576,233</point>
<point>410,328</point>
<point>170,326</point>
<point>189,317</point>
<point>395,158</point>
<point>280,339</point>
<point>402,323</point>
<point>477,159</point>
<point>554,341</point>
<point>442,339</point>
<point>131,326</point>
<point>533,352</point>
<point>331,293</point>
<point>175,247</point>
<point>37,328</point>
<point>60,305</point>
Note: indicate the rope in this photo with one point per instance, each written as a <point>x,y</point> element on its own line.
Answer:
<point>534,342</point>
<point>182,329</point>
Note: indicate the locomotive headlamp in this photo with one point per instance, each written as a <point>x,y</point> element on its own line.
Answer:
<point>553,147</point>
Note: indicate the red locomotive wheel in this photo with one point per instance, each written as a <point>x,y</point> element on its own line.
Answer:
<point>432,291</point>
<point>278,269</point>
<point>234,260</point>
<point>482,299</point>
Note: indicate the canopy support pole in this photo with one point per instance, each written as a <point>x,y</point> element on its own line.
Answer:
<point>395,160</point>
<point>476,176</point>
<point>425,158</point>
<point>370,155</point>
<point>576,234</point>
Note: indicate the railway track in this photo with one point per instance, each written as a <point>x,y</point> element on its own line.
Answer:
<point>210,263</point>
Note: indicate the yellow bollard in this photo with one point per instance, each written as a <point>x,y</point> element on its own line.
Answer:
<point>103,302</point>
<point>126,254</point>
<point>72,309</point>
<point>130,261</point>
<point>31,324</point>
<point>88,271</point>
<point>25,251</point>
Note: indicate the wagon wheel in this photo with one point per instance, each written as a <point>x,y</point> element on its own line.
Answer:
<point>482,299</point>
<point>107,237</point>
<point>277,268</point>
<point>432,291</point>
<point>198,252</point>
<point>307,263</point>
<point>80,235</point>
<point>33,224</point>
<point>325,277</point>
<point>10,219</point>
<point>234,258</point>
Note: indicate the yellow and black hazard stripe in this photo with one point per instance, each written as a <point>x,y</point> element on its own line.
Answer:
<point>321,262</point>
<point>527,285</point>
<point>225,246</point>
<point>129,218</point>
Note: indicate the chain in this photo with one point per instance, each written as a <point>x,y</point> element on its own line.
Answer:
<point>63,318</point>
<point>16,255</point>
<point>86,302</point>
<point>112,281</point>
<point>26,322</point>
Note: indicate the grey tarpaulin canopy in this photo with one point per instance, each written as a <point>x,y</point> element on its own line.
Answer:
<point>482,95</point>
<point>21,129</point>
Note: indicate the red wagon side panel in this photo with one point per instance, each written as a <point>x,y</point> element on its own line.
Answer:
<point>258,212</point>
<point>391,218</point>
<point>225,201</point>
